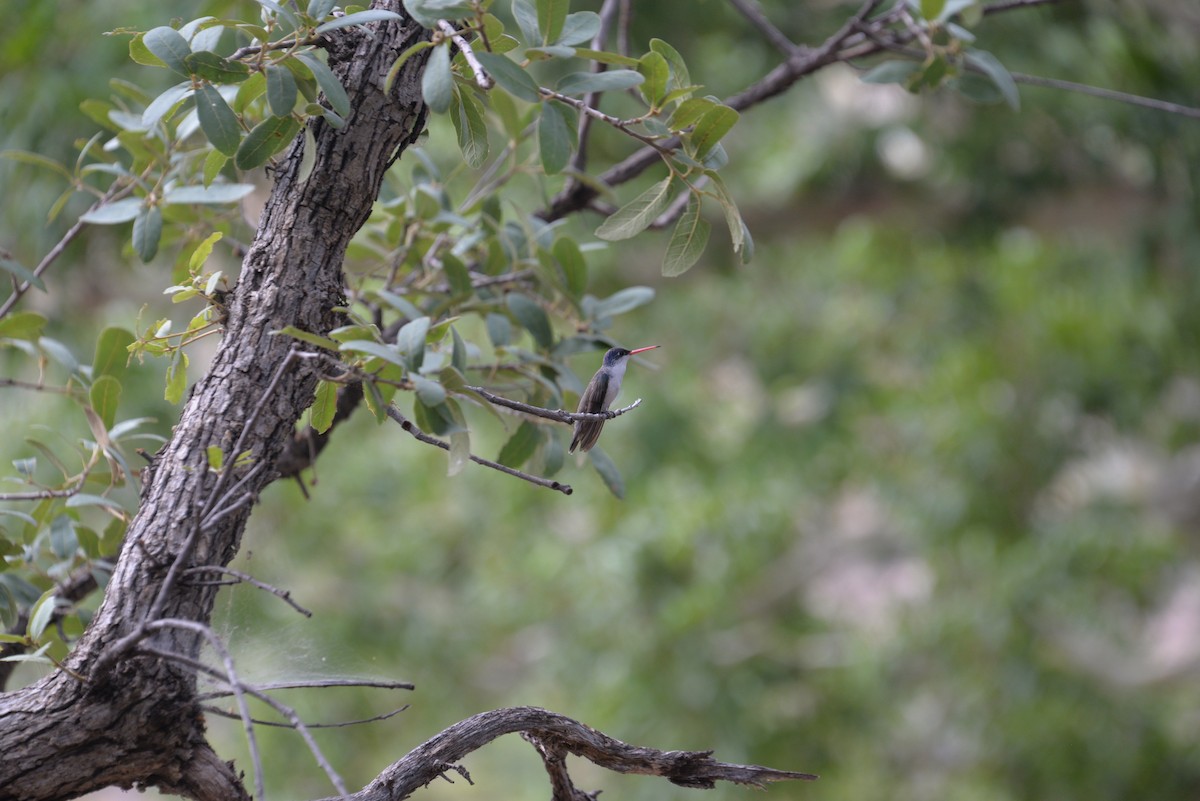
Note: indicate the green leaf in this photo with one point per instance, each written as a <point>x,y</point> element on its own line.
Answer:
<point>510,76</point>
<point>372,348</point>
<point>203,251</point>
<point>533,317</point>
<point>999,75</point>
<point>582,83</point>
<point>932,9</point>
<point>551,15</point>
<point>176,378</point>
<point>39,616</point>
<point>580,27</point>
<point>520,445</point>
<point>309,337</point>
<point>20,271</point>
<point>430,392</point>
<point>105,395</point>
<point>499,329</point>
<point>281,90</point>
<point>168,46</point>
<point>357,18</point>
<point>635,216</point>
<point>335,93</point>
<point>460,452</point>
<point>437,82</point>
<point>890,72</point>
<point>680,79</point>
<point>570,259</point>
<point>283,13</point>
<point>471,129</point>
<point>319,9</point>
<point>265,140</point>
<point>217,193</point>
<point>214,162</point>
<point>217,120</point>
<point>527,20</point>
<point>211,67</point>
<point>687,240</point>
<point>605,57</point>
<point>147,231</point>
<point>324,406</point>
<point>711,128</point>
<point>140,54</point>
<point>216,457</point>
<point>623,301</point>
<point>653,67</point>
<point>63,542</point>
<point>555,141</point>
<point>121,211</point>
<point>161,105</point>
<point>608,472</point>
<point>458,355</point>
<point>410,340</point>
<point>733,217</point>
<point>394,70</point>
<point>24,325</point>
<point>112,353</point>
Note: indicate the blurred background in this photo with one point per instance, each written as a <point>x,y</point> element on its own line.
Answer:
<point>912,499</point>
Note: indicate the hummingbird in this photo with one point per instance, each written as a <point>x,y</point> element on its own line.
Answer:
<point>601,391</point>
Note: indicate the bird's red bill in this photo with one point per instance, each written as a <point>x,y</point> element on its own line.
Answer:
<point>639,350</point>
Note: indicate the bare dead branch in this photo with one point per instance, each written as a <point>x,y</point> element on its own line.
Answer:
<point>308,684</point>
<point>216,710</point>
<point>235,684</point>
<point>421,436</point>
<point>560,735</point>
<point>557,415</point>
<point>240,577</point>
<point>1108,94</point>
<point>283,709</point>
<point>755,16</point>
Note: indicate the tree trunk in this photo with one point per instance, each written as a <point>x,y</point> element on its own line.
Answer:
<point>118,715</point>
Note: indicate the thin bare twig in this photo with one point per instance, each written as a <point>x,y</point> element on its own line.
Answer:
<point>318,684</point>
<point>216,710</point>
<point>249,689</point>
<point>283,595</point>
<point>114,193</point>
<point>1108,94</point>
<point>234,682</point>
<point>755,16</point>
<point>482,79</point>
<point>421,436</point>
<point>557,415</point>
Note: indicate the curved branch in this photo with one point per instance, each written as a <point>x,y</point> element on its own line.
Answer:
<point>559,734</point>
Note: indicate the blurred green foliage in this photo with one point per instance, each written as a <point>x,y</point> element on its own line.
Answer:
<point>909,500</point>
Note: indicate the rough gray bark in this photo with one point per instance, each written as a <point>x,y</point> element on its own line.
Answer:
<point>115,717</point>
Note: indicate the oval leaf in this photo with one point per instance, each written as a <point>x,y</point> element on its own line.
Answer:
<point>437,82</point>
<point>217,120</point>
<point>510,76</point>
<point>268,138</point>
<point>555,141</point>
<point>582,83</point>
<point>532,317</point>
<point>281,90</point>
<point>169,46</point>
<point>635,216</point>
<point>687,240</point>
<point>147,231</point>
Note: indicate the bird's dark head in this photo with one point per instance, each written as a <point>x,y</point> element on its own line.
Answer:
<point>615,355</point>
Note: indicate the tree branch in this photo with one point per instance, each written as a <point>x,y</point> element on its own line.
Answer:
<point>421,436</point>
<point>559,734</point>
